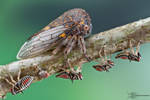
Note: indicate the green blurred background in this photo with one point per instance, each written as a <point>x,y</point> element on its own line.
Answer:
<point>19,19</point>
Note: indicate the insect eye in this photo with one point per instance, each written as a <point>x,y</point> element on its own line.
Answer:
<point>86,27</point>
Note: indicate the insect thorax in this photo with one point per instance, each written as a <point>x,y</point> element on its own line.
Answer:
<point>76,19</point>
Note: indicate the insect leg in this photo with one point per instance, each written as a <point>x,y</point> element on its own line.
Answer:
<point>64,73</point>
<point>3,96</point>
<point>9,82</point>
<point>70,45</point>
<point>13,81</point>
<point>71,67</point>
<point>81,43</point>
<point>58,48</point>
<point>101,57</point>
<point>19,73</point>
<point>137,48</point>
<point>131,47</point>
<point>106,70</point>
<point>109,57</point>
<point>102,65</point>
<point>105,55</point>
<point>75,74</point>
<point>80,65</point>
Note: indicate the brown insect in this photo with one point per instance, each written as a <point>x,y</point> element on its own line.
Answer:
<point>131,55</point>
<point>71,73</point>
<point>67,30</point>
<point>105,63</point>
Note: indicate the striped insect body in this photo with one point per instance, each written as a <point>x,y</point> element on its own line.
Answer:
<point>21,85</point>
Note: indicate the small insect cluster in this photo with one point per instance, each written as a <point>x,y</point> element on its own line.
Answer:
<point>106,63</point>
<point>131,55</point>
<point>63,34</point>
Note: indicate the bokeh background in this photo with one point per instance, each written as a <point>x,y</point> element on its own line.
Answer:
<point>19,19</point>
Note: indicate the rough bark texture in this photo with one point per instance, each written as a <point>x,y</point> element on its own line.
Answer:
<point>115,40</point>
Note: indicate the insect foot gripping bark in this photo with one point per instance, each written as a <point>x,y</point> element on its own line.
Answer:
<point>105,63</point>
<point>131,54</point>
<point>20,85</point>
<point>69,30</point>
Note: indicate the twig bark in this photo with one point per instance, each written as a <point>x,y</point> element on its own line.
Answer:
<point>115,40</point>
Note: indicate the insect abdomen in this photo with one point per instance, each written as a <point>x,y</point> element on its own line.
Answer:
<point>22,84</point>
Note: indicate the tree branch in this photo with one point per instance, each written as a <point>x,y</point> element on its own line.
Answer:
<point>115,40</point>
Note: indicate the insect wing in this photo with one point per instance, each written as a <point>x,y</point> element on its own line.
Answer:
<point>40,43</point>
<point>122,56</point>
<point>98,68</point>
<point>63,75</point>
